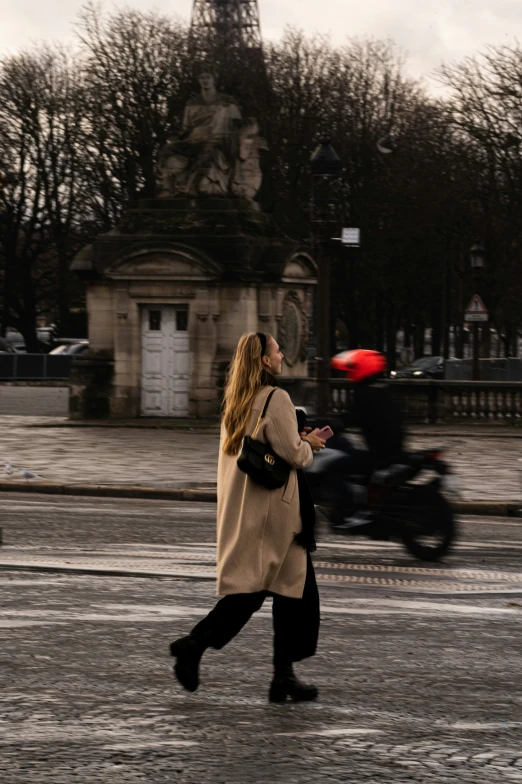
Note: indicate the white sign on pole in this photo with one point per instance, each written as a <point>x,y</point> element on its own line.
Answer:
<point>351,237</point>
<point>476,310</point>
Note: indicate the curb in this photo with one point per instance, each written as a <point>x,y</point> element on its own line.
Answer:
<point>111,491</point>
<point>108,571</point>
<point>487,508</point>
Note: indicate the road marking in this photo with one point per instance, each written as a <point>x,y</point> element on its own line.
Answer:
<point>42,508</point>
<point>493,522</point>
<point>197,561</point>
<point>151,744</point>
<point>142,613</point>
<point>491,545</point>
<point>198,572</point>
<point>411,605</point>
<point>433,571</point>
<point>492,725</point>
<point>334,732</point>
<point>15,624</point>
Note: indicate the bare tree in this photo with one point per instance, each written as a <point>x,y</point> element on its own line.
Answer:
<point>40,130</point>
<point>79,138</point>
<point>137,75</point>
<point>486,110</point>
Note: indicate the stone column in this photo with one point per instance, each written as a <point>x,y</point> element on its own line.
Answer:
<point>204,314</point>
<point>125,397</point>
<point>239,314</point>
<point>100,310</point>
<point>90,386</point>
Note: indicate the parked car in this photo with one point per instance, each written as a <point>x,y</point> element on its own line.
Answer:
<point>78,348</point>
<point>45,334</point>
<point>6,347</point>
<point>16,339</point>
<point>71,348</point>
<point>426,367</point>
<point>58,350</point>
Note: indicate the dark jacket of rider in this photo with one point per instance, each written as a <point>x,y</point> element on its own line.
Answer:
<point>377,413</point>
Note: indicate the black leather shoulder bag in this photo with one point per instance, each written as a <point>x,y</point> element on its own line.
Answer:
<point>259,461</point>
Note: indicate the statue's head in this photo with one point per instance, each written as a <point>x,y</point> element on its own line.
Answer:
<point>251,126</point>
<point>207,79</point>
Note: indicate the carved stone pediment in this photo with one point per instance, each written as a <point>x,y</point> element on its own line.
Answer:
<point>300,266</point>
<point>164,264</point>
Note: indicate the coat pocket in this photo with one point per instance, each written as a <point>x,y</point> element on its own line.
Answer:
<point>290,486</point>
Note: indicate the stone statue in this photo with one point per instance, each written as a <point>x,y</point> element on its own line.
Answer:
<point>215,154</point>
<point>248,176</point>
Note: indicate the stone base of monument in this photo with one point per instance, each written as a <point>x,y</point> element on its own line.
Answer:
<point>90,385</point>
<point>234,232</point>
<point>169,293</point>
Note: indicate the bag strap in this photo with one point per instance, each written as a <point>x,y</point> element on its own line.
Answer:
<point>263,412</point>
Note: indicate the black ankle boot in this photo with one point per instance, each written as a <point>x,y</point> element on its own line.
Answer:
<point>285,684</point>
<point>188,652</point>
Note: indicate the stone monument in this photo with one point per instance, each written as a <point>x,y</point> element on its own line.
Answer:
<point>216,154</point>
<point>172,288</point>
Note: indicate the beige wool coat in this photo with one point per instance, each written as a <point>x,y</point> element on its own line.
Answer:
<point>256,550</point>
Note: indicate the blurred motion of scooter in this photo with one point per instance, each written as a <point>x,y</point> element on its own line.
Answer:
<point>405,501</point>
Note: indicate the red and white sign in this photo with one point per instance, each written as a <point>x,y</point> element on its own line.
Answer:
<point>476,310</point>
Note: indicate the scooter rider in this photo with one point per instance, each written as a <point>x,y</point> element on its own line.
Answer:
<point>376,413</point>
<point>375,409</point>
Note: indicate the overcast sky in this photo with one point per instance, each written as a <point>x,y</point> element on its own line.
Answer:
<point>429,30</point>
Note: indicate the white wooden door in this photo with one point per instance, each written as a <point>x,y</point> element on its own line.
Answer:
<point>165,361</point>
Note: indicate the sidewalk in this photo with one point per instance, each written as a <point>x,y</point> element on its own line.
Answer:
<point>489,465</point>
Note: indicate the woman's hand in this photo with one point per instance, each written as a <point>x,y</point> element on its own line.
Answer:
<point>315,442</point>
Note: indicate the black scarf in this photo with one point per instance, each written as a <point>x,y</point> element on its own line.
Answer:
<point>306,538</point>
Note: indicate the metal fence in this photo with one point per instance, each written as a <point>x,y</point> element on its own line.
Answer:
<point>426,401</point>
<point>35,367</point>
<point>447,401</point>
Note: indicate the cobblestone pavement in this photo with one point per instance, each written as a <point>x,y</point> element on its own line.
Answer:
<point>489,467</point>
<point>414,687</point>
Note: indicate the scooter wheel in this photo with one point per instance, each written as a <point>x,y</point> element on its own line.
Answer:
<point>431,532</point>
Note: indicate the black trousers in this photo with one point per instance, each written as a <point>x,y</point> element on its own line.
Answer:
<point>296,621</point>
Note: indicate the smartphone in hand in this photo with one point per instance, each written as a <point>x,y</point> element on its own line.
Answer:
<point>325,433</point>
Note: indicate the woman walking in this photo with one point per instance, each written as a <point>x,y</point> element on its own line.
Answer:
<point>264,537</point>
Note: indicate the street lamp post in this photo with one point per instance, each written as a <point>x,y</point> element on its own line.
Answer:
<point>477,260</point>
<point>324,164</point>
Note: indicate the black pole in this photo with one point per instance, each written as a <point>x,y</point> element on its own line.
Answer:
<point>323,330</point>
<point>475,374</point>
<point>476,363</point>
<point>446,310</point>
<point>5,299</point>
<point>324,164</point>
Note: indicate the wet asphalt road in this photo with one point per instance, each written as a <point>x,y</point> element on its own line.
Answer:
<point>418,667</point>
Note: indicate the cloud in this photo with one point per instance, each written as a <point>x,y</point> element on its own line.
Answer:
<point>429,31</point>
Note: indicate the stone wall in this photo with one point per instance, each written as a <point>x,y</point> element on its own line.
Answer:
<point>218,315</point>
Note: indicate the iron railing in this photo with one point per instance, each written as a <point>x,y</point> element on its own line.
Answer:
<point>35,367</point>
<point>426,400</point>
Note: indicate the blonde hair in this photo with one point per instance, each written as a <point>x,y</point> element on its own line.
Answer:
<point>244,380</point>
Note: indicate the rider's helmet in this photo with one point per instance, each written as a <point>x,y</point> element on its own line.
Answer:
<point>360,364</point>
